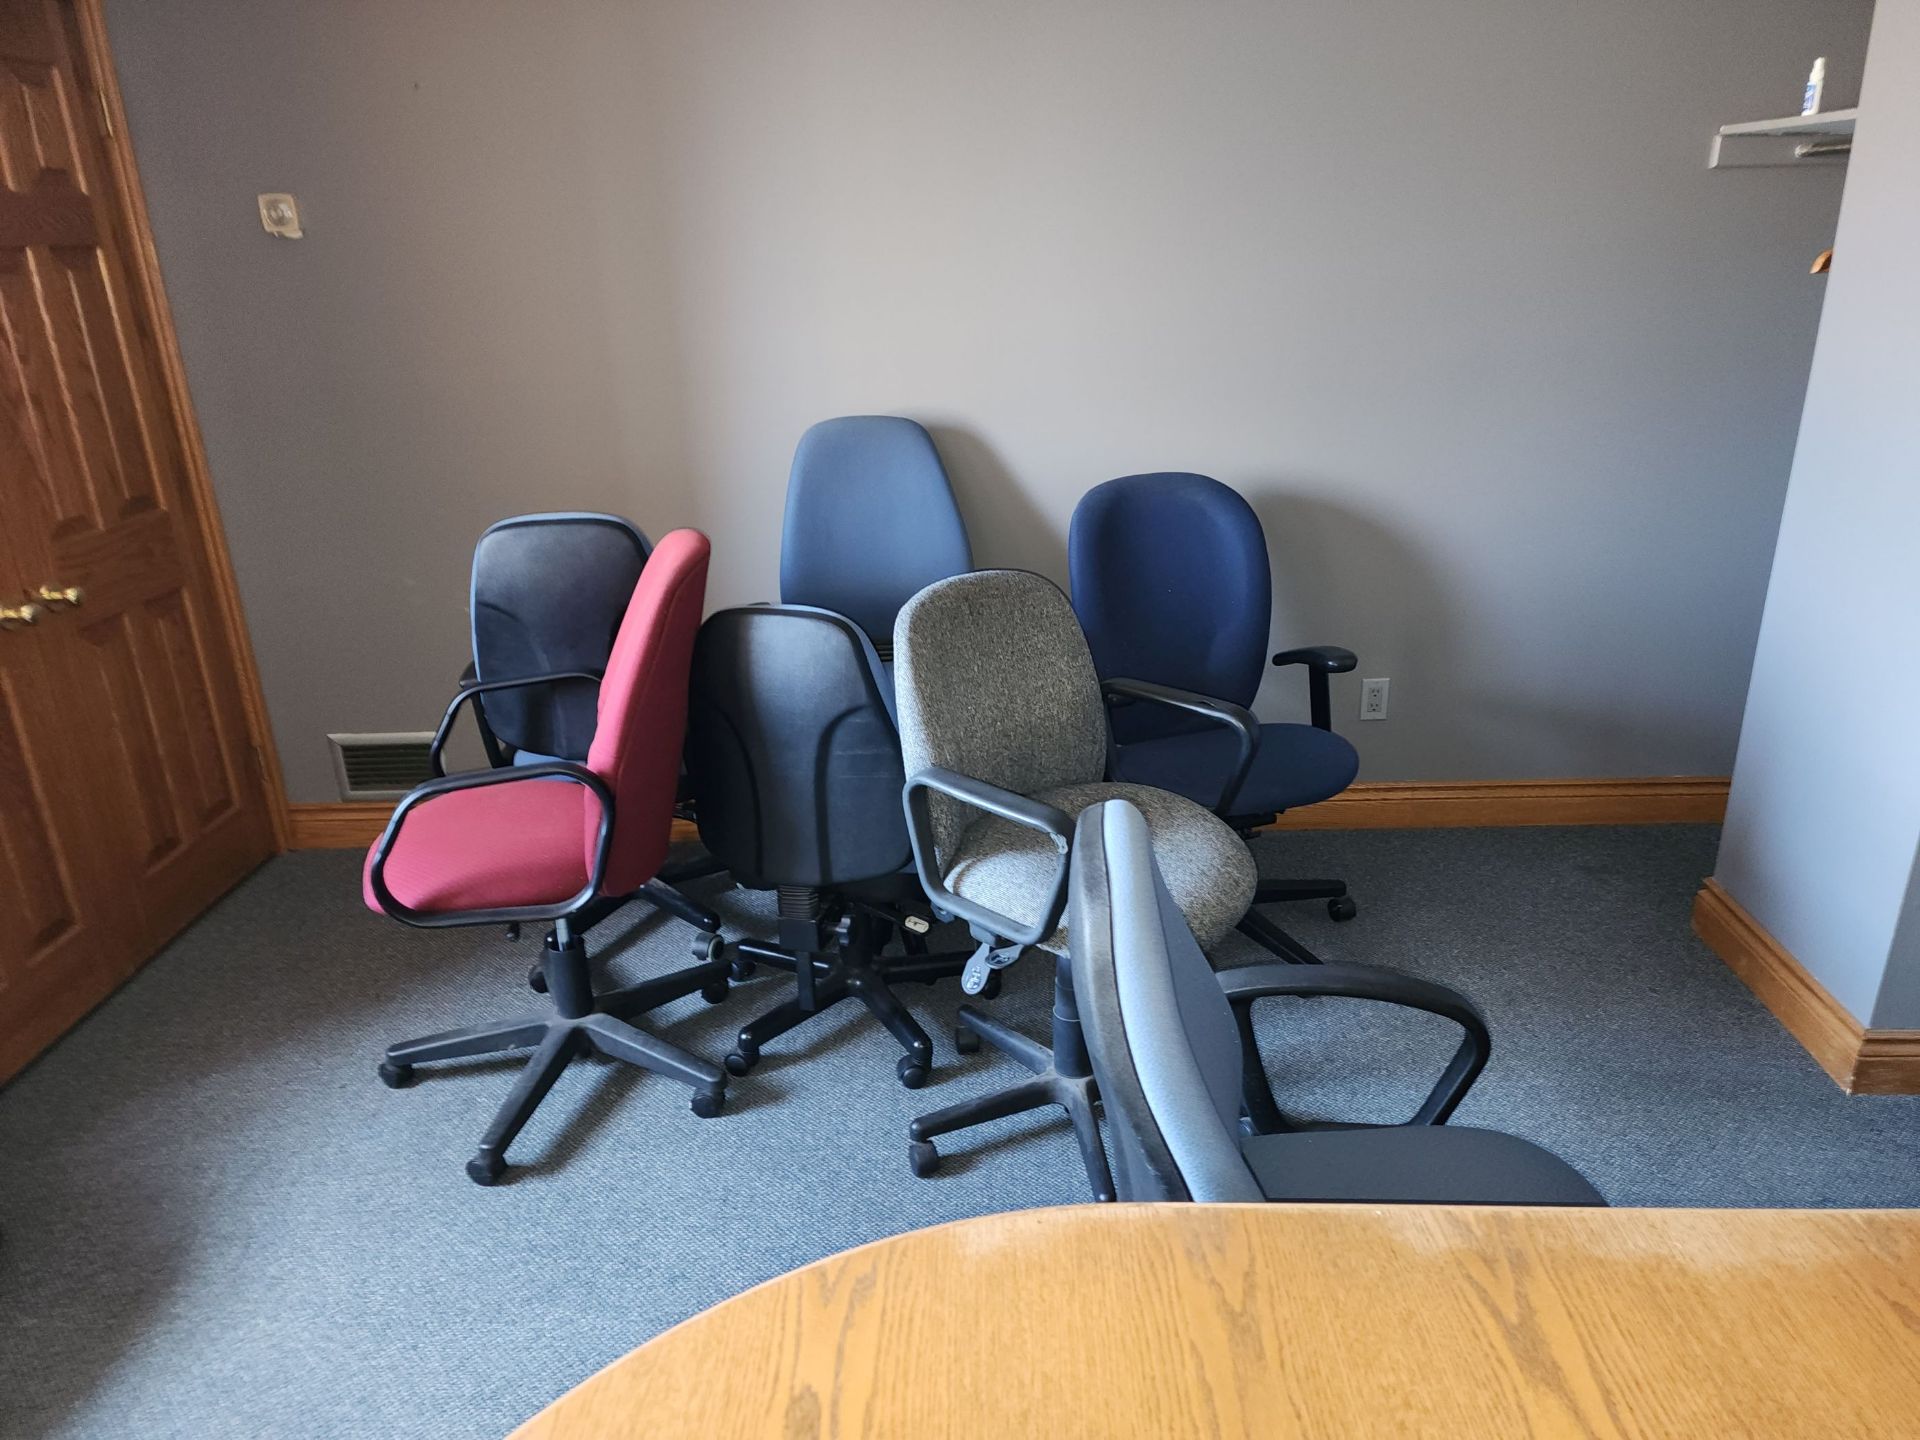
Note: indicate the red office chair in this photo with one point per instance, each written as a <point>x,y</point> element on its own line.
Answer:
<point>563,844</point>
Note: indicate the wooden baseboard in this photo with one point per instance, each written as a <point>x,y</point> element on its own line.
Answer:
<point>1861,1061</point>
<point>1389,805</point>
<point>356,824</point>
<point>337,825</point>
<point>1416,805</point>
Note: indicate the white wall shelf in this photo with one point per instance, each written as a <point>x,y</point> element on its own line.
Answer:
<point>1799,130</point>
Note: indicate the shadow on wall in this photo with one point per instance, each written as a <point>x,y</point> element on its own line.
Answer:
<point>1341,577</point>
<point>1007,529</point>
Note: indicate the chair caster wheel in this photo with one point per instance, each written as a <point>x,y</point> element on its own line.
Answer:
<point>922,1158</point>
<point>708,947</point>
<point>965,1040</point>
<point>739,1062</point>
<point>537,980</point>
<point>486,1169</point>
<point>913,1071</point>
<point>707,1103</point>
<point>395,1077</point>
<point>740,969</point>
<point>714,991</point>
<point>991,990</point>
<point>1341,907</point>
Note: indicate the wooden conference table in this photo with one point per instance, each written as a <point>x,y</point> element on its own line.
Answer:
<point>1282,1320</point>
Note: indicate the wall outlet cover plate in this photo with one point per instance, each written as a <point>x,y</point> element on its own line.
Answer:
<point>280,215</point>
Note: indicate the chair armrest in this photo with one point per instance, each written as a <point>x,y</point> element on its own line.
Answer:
<point>1321,661</point>
<point>498,755</point>
<point>1249,983</point>
<point>486,687</point>
<point>475,780</point>
<point>1236,718</point>
<point>995,801</point>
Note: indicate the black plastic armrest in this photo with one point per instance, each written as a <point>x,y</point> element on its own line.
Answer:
<point>1249,983</point>
<point>1236,718</point>
<point>1008,806</point>
<point>1321,661</point>
<point>474,780</point>
<point>486,687</point>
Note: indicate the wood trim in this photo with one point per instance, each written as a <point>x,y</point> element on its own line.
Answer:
<point>356,824</point>
<point>1390,805</point>
<point>1861,1061</point>
<point>1415,805</point>
<point>339,825</point>
<point>206,509</point>
<point>1888,1063</point>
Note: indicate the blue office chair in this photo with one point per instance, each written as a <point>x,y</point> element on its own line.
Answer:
<point>1185,1094</point>
<point>792,748</point>
<point>1171,583</point>
<point>870,522</point>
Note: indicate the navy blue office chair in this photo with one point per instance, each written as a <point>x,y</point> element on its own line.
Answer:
<point>1186,1098</point>
<point>546,597</point>
<point>1172,586</point>
<point>870,522</point>
<point>793,752</point>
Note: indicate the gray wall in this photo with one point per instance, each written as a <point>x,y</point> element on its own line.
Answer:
<point>1824,818</point>
<point>1446,288</point>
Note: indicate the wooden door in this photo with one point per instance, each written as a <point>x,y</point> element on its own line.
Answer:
<point>134,792</point>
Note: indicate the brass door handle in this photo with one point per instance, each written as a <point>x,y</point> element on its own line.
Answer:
<point>15,617</point>
<point>58,596</point>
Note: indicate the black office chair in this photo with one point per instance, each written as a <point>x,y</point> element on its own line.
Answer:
<point>794,755</point>
<point>1175,1060</point>
<point>547,595</point>
<point>787,760</point>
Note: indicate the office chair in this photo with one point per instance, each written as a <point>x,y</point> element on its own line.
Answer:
<point>1173,1050</point>
<point>870,521</point>
<point>1003,732</point>
<point>792,750</point>
<point>547,595</point>
<point>562,844</point>
<point>1171,583</point>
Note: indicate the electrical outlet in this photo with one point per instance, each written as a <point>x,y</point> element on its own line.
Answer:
<point>1373,699</point>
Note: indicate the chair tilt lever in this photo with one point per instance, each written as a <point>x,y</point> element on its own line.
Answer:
<point>984,961</point>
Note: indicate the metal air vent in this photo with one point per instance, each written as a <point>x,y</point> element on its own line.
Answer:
<point>379,767</point>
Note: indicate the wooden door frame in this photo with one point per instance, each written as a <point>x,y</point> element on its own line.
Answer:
<point>150,291</point>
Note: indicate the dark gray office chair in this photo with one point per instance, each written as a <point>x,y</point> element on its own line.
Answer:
<point>792,750</point>
<point>546,596</point>
<point>1003,729</point>
<point>1173,1053</point>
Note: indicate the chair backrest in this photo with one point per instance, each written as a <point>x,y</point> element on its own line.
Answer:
<point>993,680</point>
<point>870,520</point>
<point>792,750</point>
<point>643,709</point>
<point>1171,582</point>
<point>1165,1048</point>
<point>548,593</point>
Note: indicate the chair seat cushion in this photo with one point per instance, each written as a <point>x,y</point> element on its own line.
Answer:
<point>1413,1165</point>
<point>517,843</point>
<point>1207,867</point>
<point>1295,765</point>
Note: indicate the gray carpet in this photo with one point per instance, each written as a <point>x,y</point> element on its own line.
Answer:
<point>216,1222</point>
